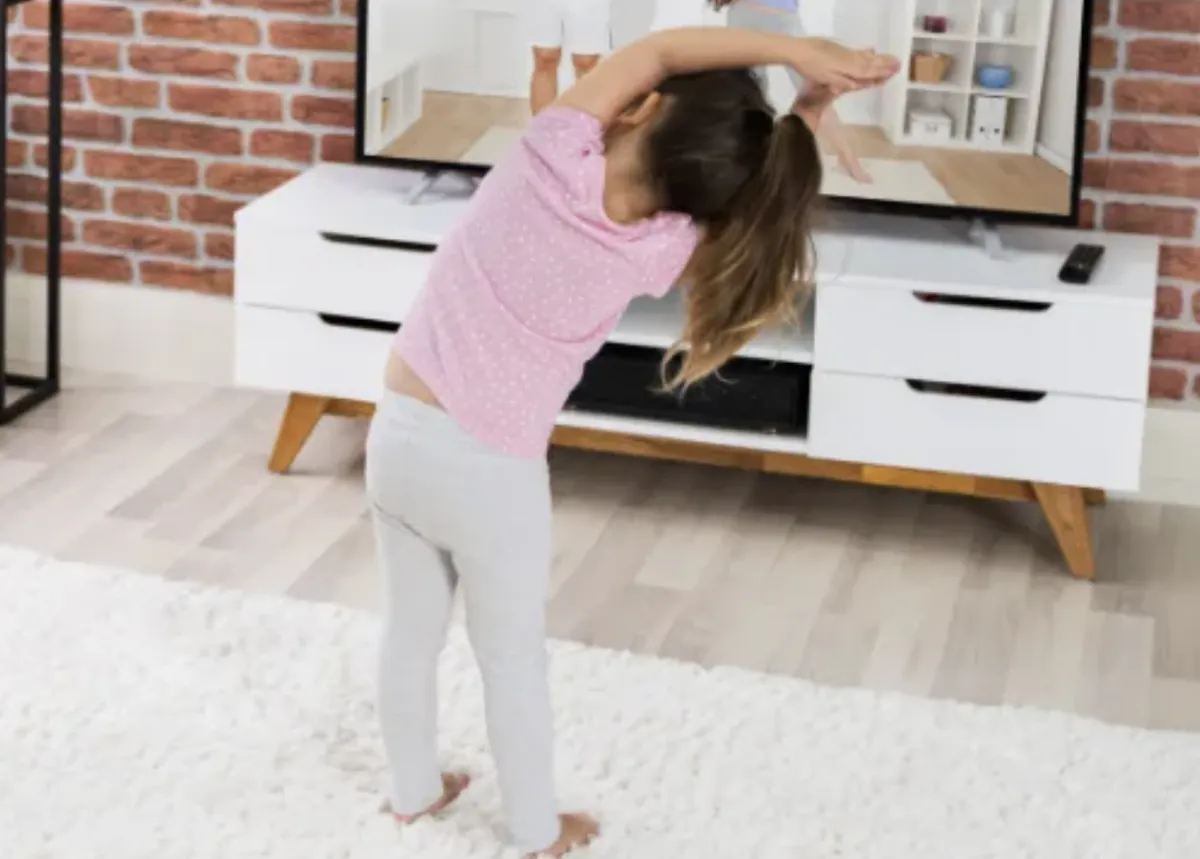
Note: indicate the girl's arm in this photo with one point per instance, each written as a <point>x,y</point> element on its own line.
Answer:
<point>638,69</point>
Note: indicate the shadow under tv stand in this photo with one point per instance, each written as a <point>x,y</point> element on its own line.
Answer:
<point>931,366</point>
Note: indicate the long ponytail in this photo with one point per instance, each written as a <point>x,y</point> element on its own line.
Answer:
<point>753,267</point>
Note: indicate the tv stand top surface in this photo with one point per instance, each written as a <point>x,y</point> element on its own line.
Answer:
<point>877,250</point>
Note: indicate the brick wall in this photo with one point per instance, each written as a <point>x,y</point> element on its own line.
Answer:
<point>1143,167</point>
<point>177,113</point>
<point>181,110</point>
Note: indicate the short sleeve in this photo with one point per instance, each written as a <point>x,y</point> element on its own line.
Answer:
<point>665,264</point>
<point>566,146</point>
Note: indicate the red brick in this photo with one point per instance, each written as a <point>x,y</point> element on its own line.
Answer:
<point>1170,56</point>
<point>105,19</point>
<point>32,83</point>
<point>1086,220</point>
<point>41,157</point>
<point>15,152</point>
<point>1150,177</point>
<point>141,238</point>
<point>76,124</point>
<point>214,29</point>
<point>313,37</point>
<point>124,92</point>
<point>348,7</point>
<point>203,209</point>
<point>265,68</point>
<point>84,264</point>
<point>1180,261</point>
<point>1168,303</point>
<point>188,62</point>
<point>137,203</point>
<point>1091,136</point>
<point>187,136</point>
<point>1169,221</point>
<point>175,172</point>
<point>1101,13</point>
<point>1095,173</point>
<point>77,53</point>
<point>1196,305</point>
<point>1171,98</point>
<point>1196,387</point>
<point>323,110</point>
<point>215,281</point>
<point>334,74</point>
<point>287,145</point>
<point>1167,383</point>
<point>75,195</point>
<point>1176,344</point>
<point>227,103</point>
<point>245,179</point>
<point>33,224</point>
<point>338,148</point>
<point>1171,16</point>
<point>1095,92</point>
<point>1104,52</point>
<point>1159,137</point>
<point>312,8</point>
<point>219,246</point>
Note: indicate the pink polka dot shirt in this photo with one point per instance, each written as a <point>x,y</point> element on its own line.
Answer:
<point>528,286</point>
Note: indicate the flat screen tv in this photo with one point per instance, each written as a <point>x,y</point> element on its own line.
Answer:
<point>984,120</point>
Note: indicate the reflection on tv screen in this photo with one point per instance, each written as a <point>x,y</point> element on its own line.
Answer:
<point>983,116</point>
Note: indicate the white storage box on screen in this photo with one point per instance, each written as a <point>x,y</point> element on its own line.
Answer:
<point>989,119</point>
<point>930,126</point>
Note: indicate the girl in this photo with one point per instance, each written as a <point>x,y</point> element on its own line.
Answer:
<point>783,16</point>
<point>666,152</point>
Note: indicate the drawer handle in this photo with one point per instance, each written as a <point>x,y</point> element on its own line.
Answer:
<point>946,389</point>
<point>986,303</point>
<point>360,324</point>
<point>387,244</point>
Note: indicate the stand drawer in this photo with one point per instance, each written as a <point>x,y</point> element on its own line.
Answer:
<point>293,350</point>
<point>308,270</point>
<point>1043,437</point>
<point>1100,347</point>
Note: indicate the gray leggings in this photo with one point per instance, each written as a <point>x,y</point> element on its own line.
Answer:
<point>449,510</point>
<point>748,16</point>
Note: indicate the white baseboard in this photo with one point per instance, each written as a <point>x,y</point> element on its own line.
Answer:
<point>1055,159</point>
<point>168,335</point>
<point>127,330</point>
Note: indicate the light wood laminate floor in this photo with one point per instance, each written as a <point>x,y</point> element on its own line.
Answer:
<point>451,123</point>
<point>935,596</point>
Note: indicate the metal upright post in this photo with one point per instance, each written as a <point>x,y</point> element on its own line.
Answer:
<point>37,389</point>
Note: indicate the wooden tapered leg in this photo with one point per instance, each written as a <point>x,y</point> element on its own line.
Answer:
<point>1066,510</point>
<point>299,420</point>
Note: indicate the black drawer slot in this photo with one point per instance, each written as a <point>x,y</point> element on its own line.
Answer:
<point>388,244</point>
<point>359,324</point>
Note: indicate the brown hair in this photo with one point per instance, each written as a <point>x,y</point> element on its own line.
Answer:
<point>751,184</point>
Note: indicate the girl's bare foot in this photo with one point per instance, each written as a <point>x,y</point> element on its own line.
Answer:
<point>453,784</point>
<point>578,830</point>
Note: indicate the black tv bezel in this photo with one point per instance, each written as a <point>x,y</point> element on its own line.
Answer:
<point>858,204</point>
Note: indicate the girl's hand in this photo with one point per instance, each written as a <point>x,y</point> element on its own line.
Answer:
<point>811,104</point>
<point>828,63</point>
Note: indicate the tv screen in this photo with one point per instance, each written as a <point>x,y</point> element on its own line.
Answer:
<point>984,118</point>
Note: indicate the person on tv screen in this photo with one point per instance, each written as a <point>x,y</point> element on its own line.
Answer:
<point>582,27</point>
<point>783,16</point>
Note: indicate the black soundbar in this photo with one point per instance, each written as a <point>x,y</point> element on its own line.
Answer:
<point>749,394</point>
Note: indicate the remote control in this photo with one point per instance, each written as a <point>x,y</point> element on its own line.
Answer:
<point>1081,263</point>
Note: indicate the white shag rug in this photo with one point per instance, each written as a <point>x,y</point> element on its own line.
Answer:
<point>140,718</point>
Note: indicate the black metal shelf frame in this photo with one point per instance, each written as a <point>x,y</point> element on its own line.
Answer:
<point>20,392</point>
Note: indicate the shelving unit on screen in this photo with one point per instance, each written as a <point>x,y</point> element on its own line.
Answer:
<point>943,97</point>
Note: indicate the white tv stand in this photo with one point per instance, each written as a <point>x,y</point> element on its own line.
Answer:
<point>934,366</point>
